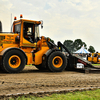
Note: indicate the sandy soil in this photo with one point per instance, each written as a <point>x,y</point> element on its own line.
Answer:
<point>31,79</point>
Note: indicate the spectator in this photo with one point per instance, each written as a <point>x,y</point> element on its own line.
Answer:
<point>96,54</point>
<point>88,55</point>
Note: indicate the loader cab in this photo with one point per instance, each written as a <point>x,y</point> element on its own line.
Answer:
<point>28,32</point>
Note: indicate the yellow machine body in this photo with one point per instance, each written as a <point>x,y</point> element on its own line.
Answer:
<point>10,41</point>
<point>94,59</point>
<point>23,46</point>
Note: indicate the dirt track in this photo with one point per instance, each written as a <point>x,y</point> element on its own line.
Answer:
<point>31,79</point>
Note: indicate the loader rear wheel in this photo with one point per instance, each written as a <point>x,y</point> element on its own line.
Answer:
<point>57,62</point>
<point>14,61</point>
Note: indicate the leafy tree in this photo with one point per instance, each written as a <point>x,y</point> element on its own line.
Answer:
<point>74,46</point>
<point>91,49</point>
<point>78,43</point>
<point>51,40</point>
<point>85,46</point>
<point>69,45</point>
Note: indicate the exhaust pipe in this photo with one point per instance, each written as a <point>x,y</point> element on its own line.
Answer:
<point>0,26</point>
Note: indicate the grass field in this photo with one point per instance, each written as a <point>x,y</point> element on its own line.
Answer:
<point>96,64</point>
<point>85,95</point>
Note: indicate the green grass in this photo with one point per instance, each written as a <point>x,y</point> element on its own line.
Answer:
<point>85,95</point>
<point>96,64</point>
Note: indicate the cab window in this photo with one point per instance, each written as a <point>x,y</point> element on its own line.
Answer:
<point>28,32</point>
<point>17,28</point>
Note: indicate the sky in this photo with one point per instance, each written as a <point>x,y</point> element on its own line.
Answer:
<point>62,19</point>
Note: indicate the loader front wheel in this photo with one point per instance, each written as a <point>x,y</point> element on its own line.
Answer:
<point>57,62</point>
<point>14,61</point>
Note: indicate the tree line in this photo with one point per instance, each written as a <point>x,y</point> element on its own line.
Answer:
<point>73,46</point>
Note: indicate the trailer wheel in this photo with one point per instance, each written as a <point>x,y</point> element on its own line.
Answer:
<point>57,62</point>
<point>14,61</point>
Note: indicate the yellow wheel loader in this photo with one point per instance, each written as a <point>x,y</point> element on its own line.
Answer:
<point>23,46</point>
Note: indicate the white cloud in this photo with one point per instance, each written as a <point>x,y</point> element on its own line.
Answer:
<point>63,19</point>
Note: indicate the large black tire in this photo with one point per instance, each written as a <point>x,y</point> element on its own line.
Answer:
<point>57,62</point>
<point>40,67</point>
<point>1,68</point>
<point>13,61</point>
<point>70,64</point>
